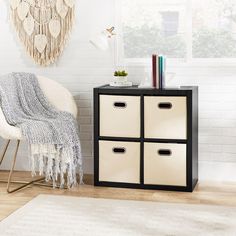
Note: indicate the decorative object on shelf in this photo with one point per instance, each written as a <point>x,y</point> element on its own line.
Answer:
<point>158,71</point>
<point>120,79</point>
<point>100,41</point>
<point>162,71</point>
<point>43,26</point>
<point>154,70</point>
<point>146,81</point>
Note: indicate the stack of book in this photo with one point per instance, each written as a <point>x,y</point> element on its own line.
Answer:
<point>158,71</point>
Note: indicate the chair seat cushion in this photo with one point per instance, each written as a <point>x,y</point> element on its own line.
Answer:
<point>57,95</point>
<point>8,131</point>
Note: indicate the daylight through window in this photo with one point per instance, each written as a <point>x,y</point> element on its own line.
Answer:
<point>181,29</point>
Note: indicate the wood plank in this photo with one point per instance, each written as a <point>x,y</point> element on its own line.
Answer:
<point>205,193</point>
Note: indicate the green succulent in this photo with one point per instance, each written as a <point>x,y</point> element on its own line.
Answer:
<point>120,73</point>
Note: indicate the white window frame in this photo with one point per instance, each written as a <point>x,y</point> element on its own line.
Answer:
<point>188,62</point>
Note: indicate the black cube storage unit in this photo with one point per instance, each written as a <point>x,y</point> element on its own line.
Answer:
<point>146,138</point>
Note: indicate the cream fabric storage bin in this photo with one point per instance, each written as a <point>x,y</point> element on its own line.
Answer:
<point>165,117</point>
<point>119,116</point>
<point>165,164</point>
<point>119,161</point>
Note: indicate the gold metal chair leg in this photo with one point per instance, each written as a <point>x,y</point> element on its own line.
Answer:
<point>4,151</point>
<point>10,181</point>
<point>12,168</point>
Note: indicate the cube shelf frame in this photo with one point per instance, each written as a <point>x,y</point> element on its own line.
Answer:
<point>191,93</point>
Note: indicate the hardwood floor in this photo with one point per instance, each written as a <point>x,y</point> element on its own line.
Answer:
<point>205,193</point>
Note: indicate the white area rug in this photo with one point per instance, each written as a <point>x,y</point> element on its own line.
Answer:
<point>48,215</point>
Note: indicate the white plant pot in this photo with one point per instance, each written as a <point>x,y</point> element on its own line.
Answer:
<point>120,79</point>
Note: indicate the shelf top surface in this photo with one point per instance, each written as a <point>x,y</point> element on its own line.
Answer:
<point>136,88</point>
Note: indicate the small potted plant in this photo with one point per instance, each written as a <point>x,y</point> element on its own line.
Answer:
<point>120,76</point>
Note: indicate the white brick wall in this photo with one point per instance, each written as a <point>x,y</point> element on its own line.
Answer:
<point>217,119</point>
<point>82,67</point>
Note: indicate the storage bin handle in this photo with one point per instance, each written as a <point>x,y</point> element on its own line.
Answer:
<point>165,105</point>
<point>164,152</point>
<point>120,104</point>
<point>119,150</point>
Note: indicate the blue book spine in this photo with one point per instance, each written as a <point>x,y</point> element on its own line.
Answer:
<point>160,71</point>
<point>162,68</point>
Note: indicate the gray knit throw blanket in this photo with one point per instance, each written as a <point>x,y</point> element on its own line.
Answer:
<point>52,135</point>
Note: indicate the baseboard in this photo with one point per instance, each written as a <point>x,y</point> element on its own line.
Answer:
<point>208,171</point>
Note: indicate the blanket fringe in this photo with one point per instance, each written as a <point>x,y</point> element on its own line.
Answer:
<point>56,164</point>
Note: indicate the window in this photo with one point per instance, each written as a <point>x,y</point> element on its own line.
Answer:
<point>183,30</point>
<point>169,23</point>
<point>214,28</point>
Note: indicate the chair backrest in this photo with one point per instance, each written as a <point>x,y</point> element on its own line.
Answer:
<point>58,95</point>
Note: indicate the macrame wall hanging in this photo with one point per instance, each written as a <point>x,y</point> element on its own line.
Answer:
<point>43,26</point>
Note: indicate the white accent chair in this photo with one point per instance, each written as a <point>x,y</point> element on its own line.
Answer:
<point>57,95</point>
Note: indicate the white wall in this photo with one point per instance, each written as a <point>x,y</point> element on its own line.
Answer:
<point>82,67</point>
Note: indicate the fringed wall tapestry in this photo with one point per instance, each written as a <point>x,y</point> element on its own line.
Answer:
<point>43,26</point>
